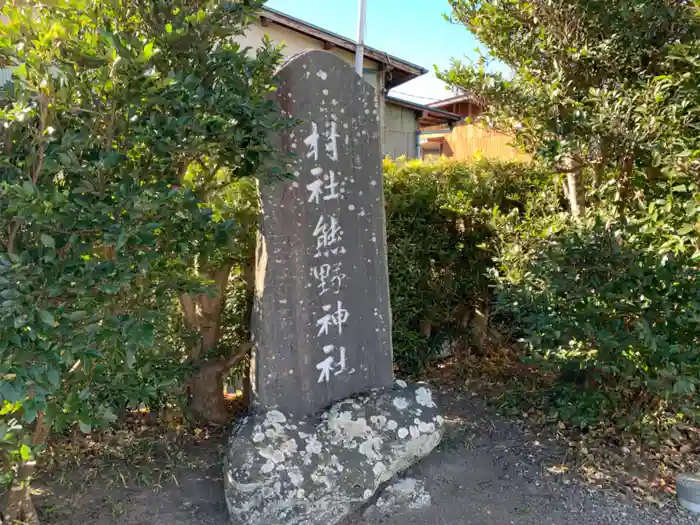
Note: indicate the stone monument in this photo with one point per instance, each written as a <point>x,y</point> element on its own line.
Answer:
<point>322,322</point>
<point>328,428</point>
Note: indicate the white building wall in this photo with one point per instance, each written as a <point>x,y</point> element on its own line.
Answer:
<point>400,132</point>
<point>5,76</point>
<point>295,42</point>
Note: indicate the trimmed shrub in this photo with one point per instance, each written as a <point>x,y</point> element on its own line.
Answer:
<point>441,234</point>
<point>608,306</point>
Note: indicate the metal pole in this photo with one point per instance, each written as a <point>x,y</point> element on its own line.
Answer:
<point>360,49</point>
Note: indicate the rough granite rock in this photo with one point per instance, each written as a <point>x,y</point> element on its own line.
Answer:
<point>319,470</point>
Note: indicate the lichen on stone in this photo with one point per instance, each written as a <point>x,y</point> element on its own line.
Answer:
<point>402,496</point>
<point>401,403</point>
<point>424,397</point>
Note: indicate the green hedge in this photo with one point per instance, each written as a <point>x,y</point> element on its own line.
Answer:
<point>609,307</point>
<point>442,221</point>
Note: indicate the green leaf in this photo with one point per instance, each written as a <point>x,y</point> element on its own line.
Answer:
<point>77,316</point>
<point>85,428</point>
<point>108,415</point>
<point>9,293</point>
<point>8,392</point>
<point>54,377</point>
<point>65,159</point>
<point>683,386</point>
<point>686,229</point>
<point>110,288</point>
<point>148,50</point>
<point>47,318</point>
<point>130,357</point>
<point>21,71</point>
<point>29,413</point>
<point>48,241</point>
<point>112,159</point>
<point>121,241</point>
<point>168,28</point>
<point>25,452</point>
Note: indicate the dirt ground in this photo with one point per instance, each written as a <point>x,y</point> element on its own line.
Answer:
<point>487,471</point>
<point>189,492</point>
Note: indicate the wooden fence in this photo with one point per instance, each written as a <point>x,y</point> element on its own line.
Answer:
<point>467,141</point>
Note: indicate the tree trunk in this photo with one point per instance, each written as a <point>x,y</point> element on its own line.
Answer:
<point>480,325</point>
<point>18,501</point>
<point>18,506</point>
<point>203,312</point>
<point>623,185</point>
<point>207,402</point>
<point>599,174</point>
<point>573,186</point>
<point>202,315</point>
<point>574,192</point>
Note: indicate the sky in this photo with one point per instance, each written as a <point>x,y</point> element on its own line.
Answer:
<point>413,30</point>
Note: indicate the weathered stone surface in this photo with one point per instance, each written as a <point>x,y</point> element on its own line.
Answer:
<point>318,470</point>
<point>322,326</point>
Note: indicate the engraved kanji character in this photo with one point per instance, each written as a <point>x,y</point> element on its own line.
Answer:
<point>312,142</point>
<point>327,233</point>
<point>337,319</point>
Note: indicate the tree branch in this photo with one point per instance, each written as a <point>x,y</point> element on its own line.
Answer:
<point>239,354</point>
<point>42,142</point>
<point>189,312</point>
<point>12,235</point>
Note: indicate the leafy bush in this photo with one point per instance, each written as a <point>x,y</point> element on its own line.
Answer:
<point>124,126</point>
<point>440,234</point>
<point>610,304</point>
<point>613,305</point>
<point>609,301</point>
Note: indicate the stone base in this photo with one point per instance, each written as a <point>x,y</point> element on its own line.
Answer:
<point>320,470</point>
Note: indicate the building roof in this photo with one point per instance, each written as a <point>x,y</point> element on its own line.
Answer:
<point>400,70</point>
<point>462,97</point>
<point>429,116</point>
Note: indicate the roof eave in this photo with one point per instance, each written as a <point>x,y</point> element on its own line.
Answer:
<point>331,40</point>
<point>429,115</point>
<point>472,99</point>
